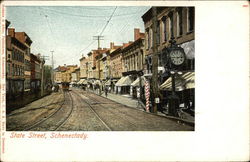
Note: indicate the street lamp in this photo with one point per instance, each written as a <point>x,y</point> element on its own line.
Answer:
<point>176,60</point>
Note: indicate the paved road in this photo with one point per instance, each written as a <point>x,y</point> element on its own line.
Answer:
<point>78,110</point>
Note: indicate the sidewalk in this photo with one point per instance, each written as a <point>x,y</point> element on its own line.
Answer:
<point>127,100</point>
<point>122,99</point>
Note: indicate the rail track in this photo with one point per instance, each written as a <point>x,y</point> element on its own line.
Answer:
<point>102,103</point>
<point>94,112</point>
<point>41,124</point>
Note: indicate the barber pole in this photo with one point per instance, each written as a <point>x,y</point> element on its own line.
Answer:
<point>147,94</point>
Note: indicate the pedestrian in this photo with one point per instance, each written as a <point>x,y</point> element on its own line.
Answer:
<point>106,91</point>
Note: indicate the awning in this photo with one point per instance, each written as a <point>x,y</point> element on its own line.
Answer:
<point>82,81</point>
<point>184,81</point>
<point>189,49</point>
<point>97,82</point>
<point>136,83</point>
<point>91,81</point>
<point>124,81</point>
<point>108,82</point>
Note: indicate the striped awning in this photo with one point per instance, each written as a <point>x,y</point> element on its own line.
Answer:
<point>183,81</point>
<point>136,83</point>
<point>82,81</point>
<point>124,81</point>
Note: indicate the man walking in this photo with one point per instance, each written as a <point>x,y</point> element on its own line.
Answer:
<point>106,91</point>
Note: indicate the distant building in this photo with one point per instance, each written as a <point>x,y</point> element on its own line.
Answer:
<point>75,75</point>
<point>35,79</point>
<point>66,75</point>
<point>58,74</point>
<point>101,54</point>
<point>84,67</point>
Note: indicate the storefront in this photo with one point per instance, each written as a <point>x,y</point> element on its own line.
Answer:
<point>123,85</point>
<point>184,88</point>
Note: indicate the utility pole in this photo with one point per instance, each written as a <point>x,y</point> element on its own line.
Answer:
<point>155,61</point>
<point>43,58</point>
<point>52,70</point>
<point>99,72</point>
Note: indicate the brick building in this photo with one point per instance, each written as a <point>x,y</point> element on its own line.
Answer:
<point>133,55</point>
<point>15,65</point>
<point>133,58</point>
<point>35,79</point>
<point>177,22</point>
<point>25,39</point>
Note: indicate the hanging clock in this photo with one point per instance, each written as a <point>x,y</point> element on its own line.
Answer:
<point>177,56</point>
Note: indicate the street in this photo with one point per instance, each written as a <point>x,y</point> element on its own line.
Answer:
<point>79,110</point>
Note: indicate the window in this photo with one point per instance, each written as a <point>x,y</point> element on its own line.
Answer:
<point>179,22</point>
<point>190,17</point>
<point>158,33</point>
<point>13,69</point>
<point>171,25</point>
<point>164,28</point>
<point>8,68</point>
<point>148,39</point>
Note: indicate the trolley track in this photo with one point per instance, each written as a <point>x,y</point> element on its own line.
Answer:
<point>110,107</point>
<point>137,122</point>
<point>94,112</point>
<point>41,124</point>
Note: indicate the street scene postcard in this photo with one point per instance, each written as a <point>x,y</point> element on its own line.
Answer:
<point>100,68</point>
<point>74,70</point>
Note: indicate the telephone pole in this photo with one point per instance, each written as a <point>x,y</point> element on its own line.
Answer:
<point>43,58</point>
<point>52,70</point>
<point>155,61</point>
<point>99,72</point>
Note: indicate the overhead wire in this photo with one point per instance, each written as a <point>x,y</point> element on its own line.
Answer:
<point>108,21</point>
<point>87,16</point>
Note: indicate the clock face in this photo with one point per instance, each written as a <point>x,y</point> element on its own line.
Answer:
<point>177,57</point>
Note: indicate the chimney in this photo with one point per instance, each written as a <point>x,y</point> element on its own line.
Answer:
<point>11,32</point>
<point>136,34</point>
<point>112,45</point>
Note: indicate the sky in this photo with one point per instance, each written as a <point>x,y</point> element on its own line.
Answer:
<point>69,30</point>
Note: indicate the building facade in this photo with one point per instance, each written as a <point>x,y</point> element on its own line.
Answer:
<point>177,22</point>
<point>133,54</point>
<point>15,65</point>
<point>66,75</point>
<point>84,67</point>
<point>35,79</point>
<point>25,39</point>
